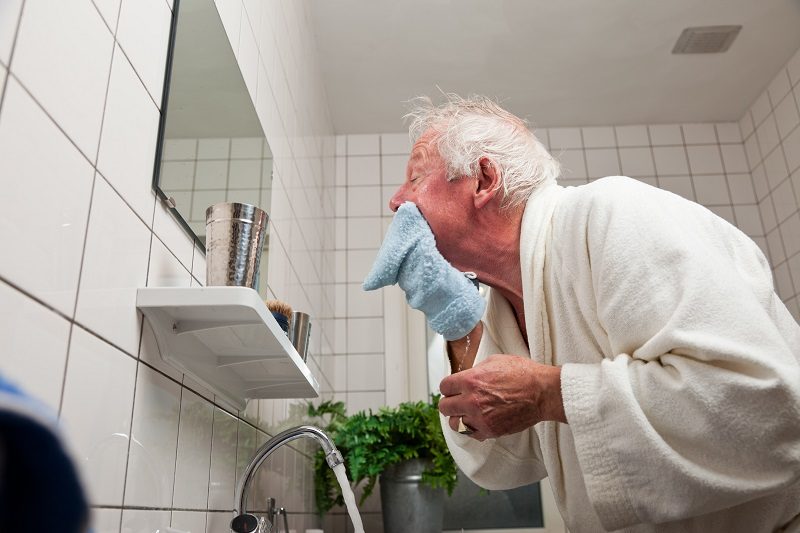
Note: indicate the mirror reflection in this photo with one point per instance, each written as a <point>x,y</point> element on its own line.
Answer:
<point>213,147</point>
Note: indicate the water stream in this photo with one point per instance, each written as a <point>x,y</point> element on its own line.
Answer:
<point>349,498</point>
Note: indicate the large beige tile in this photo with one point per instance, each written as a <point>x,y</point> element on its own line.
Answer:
<point>194,452</point>
<point>96,412</point>
<point>34,346</point>
<point>62,55</point>
<point>128,143</point>
<point>143,33</point>
<point>114,267</point>
<point>154,439</point>
<point>43,228</point>
<point>9,19</point>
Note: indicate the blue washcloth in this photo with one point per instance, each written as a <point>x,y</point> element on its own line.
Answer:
<point>408,257</point>
<point>39,486</point>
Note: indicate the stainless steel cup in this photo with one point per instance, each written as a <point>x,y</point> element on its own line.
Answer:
<point>300,333</point>
<point>234,240</point>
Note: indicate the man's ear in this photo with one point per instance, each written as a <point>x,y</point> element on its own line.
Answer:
<point>488,182</point>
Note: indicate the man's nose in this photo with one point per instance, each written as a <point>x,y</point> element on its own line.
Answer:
<point>396,200</point>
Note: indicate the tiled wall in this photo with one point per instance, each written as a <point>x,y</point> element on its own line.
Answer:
<point>80,93</point>
<point>771,131</point>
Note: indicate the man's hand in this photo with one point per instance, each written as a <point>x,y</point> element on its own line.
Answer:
<point>502,395</point>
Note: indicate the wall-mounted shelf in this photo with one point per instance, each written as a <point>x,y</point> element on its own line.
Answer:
<point>227,339</point>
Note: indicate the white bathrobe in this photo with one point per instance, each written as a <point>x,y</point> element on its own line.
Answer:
<point>680,368</point>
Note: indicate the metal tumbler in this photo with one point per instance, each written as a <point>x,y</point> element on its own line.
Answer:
<point>300,332</point>
<point>234,240</point>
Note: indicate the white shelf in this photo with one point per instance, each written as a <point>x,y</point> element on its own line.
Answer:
<point>227,339</point>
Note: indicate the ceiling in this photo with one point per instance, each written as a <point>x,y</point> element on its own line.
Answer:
<point>555,62</point>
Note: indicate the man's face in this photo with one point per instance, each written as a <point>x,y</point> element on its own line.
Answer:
<point>444,204</point>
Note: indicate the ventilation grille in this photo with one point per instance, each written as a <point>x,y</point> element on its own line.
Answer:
<point>706,40</point>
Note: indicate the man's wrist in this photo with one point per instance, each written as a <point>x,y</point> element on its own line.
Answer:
<point>461,352</point>
<point>551,403</point>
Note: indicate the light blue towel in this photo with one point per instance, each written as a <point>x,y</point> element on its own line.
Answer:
<point>39,486</point>
<point>408,257</point>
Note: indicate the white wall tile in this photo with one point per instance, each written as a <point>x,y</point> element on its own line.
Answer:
<point>741,187</point>
<point>364,233</point>
<point>154,438</point>
<point>776,251</point>
<point>790,231</point>
<point>167,228</point>
<point>393,169</point>
<point>223,461</point>
<point>729,133</point>
<point>143,34</point>
<point>63,55</point>
<point>364,335</point>
<point>106,520</point>
<point>599,137</point>
<point>746,125</point>
<point>211,174</point>
<point>786,116</point>
<point>779,87</point>
<point>670,161</point>
<point>34,346</point>
<point>49,173</point>
<point>359,262</point>
<point>216,521</point>
<point>364,401</point>
<point>165,270</point>
<point>244,174</point>
<point>365,373</point>
<point>109,10</point>
<point>602,162</point>
<point>194,452</point>
<point>188,521</point>
<point>9,19</point>
<point>791,146</point>
<point>767,134</point>
<point>680,185</point>
<point>699,134</point>
<point>632,136</point>
<point>364,201</point>
<point>793,68</point>
<point>775,167</point>
<point>573,163</point>
<point>753,151</point>
<point>723,211</point>
<point>711,190</point>
<point>176,175</point>
<point>363,144</point>
<point>665,134</point>
<point>141,521</point>
<point>748,219</point>
<point>563,138</point>
<point>761,109</point>
<point>100,376</point>
<point>784,201</point>
<point>361,303</point>
<point>704,159</point>
<point>637,161</point>
<point>767,214</point>
<point>734,158</point>
<point>395,143</point>
<point>363,170</point>
<point>114,266</point>
<point>128,143</point>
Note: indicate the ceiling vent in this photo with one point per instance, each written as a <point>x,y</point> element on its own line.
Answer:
<point>706,40</point>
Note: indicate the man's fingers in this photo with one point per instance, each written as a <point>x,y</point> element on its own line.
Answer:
<point>453,384</point>
<point>451,406</point>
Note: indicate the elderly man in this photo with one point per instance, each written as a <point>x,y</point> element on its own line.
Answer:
<point>632,348</point>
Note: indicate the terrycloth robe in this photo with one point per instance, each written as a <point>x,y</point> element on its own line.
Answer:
<point>680,368</point>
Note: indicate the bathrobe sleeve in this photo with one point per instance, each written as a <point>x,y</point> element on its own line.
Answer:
<point>512,460</point>
<point>697,406</point>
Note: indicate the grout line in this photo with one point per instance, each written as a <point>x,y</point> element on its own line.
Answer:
<point>177,445</point>
<point>11,55</point>
<point>130,439</point>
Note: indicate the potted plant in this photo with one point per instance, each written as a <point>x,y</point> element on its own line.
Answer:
<point>404,446</point>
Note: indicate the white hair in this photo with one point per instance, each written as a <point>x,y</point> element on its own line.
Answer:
<point>468,129</point>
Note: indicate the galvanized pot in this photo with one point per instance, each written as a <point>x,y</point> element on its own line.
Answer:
<point>409,505</point>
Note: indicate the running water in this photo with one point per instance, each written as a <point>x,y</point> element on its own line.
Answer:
<point>349,498</point>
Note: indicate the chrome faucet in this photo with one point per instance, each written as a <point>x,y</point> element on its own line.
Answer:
<point>247,523</point>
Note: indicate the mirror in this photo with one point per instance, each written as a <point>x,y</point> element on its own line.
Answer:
<point>212,147</point>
